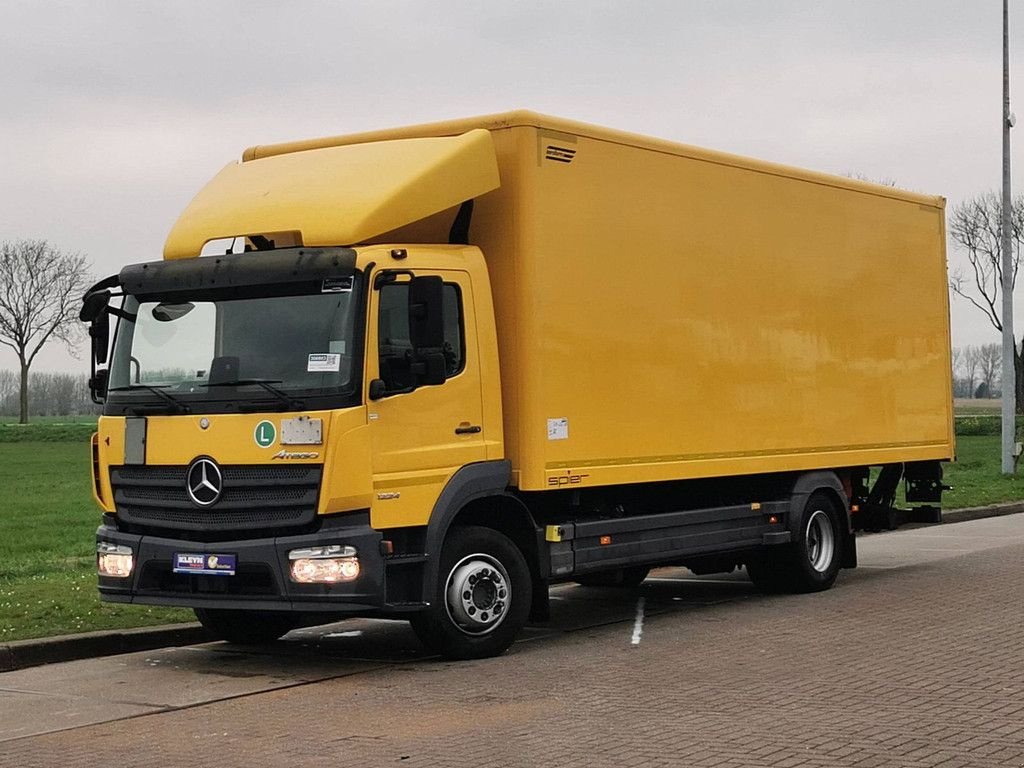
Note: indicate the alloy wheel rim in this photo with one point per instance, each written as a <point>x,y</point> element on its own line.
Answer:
<point>820,541</point>
<point>478,594</point>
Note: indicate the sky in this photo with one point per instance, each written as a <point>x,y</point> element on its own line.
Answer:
<point>117,113</point>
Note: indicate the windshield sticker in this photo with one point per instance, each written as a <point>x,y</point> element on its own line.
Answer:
<point>337,347</point>
<point>337,285</point>
<point>558,429</point>
<point>323,363</point>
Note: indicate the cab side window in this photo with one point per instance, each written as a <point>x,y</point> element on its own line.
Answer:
<point>395,352</point>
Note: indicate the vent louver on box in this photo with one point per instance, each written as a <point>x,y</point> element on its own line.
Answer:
<point>559,154</point>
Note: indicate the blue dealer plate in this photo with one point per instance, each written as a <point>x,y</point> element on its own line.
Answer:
<point>209,565</point>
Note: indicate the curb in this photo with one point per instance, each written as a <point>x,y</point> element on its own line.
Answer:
<point>30,653</point>
<point>977,513</point>
<point>20,654</point>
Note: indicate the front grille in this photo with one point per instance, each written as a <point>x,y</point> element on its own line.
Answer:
<point>254,498</point>
<point>286,495</point>
<point>203,519</point>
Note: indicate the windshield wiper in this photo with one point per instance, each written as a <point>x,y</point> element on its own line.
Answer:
<point>179,407</point>
<point>268,384</point>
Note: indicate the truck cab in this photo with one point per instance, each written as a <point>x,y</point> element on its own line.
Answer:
<point>268,417</point>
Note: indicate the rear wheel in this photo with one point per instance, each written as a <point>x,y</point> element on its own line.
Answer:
<point>245,627</point>
<point>623,577</point>
<point>812,562</point>
<point>482,597</point>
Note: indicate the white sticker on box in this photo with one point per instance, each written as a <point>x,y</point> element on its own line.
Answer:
<point>322,363</point>
<point>558,429</point>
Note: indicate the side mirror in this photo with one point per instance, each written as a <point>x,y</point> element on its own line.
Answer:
<point>426,312</point>
<point>377,389</point>
<point>94,304</point>
<point>99,332</point>
<point>98,385</point>
<point>94,311</point>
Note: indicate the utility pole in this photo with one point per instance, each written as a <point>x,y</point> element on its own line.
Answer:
<point>1009,370</point>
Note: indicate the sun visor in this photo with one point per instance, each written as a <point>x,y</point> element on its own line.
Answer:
<point>337,195</point>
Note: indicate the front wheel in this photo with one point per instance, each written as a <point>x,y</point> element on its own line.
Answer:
<point>812,562</point>
<point>482,597</point>
<point>245,627</point>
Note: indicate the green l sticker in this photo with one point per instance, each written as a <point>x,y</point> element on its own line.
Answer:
<point>265,434</point>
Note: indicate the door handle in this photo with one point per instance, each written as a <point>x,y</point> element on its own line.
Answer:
<point>466,429</point>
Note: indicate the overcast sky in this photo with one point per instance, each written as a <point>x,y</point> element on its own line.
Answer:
<point>116,113</point>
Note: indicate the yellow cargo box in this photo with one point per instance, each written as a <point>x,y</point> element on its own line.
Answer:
<point>668,312</point>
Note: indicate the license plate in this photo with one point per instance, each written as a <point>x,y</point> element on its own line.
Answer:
<point>208,565</point>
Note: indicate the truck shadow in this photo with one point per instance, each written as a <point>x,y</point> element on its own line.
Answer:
<point>573,608</point>
<point>339,648</point>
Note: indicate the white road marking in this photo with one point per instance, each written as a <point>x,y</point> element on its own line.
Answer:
<point>638,624</point>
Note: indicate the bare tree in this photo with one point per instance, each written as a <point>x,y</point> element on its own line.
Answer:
<point>964,371</point>
<point>990,362</point>
<point>976,227</point>
<point>40,289</point>
<point>50,394</point>
<point>971,365</point>
<point>8,392</point>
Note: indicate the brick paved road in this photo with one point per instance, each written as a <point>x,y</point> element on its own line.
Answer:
<point>916,659</point>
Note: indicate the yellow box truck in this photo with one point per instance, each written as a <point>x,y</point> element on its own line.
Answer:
<point>424,373</point>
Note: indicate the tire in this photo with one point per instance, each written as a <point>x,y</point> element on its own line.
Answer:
<point>812,562</point>
<point>627,578</point>
<point>245,627</point>
<point>480,570</point>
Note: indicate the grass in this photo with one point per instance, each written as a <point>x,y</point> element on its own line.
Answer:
<point>976,476</point>
<point>48,550</point>
<point>47,526</point>
<point>47,432</point>
<point>80,418</point>
<point>989,405</point>
<point>47,429</point>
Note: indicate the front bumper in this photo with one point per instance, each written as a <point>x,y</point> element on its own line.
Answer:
<point>261,581</point>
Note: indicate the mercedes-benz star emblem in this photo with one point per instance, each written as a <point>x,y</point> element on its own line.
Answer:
<point>204,482</point>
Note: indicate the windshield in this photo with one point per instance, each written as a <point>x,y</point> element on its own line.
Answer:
<point>224,354</point>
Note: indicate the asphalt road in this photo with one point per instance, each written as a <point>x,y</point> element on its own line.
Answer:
<point>914,659</point>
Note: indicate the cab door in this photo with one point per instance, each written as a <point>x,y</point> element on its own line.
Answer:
<point>421,433</point>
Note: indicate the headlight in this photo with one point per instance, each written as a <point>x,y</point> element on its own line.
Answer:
<point>324,565</point>
<point>114,560</point>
